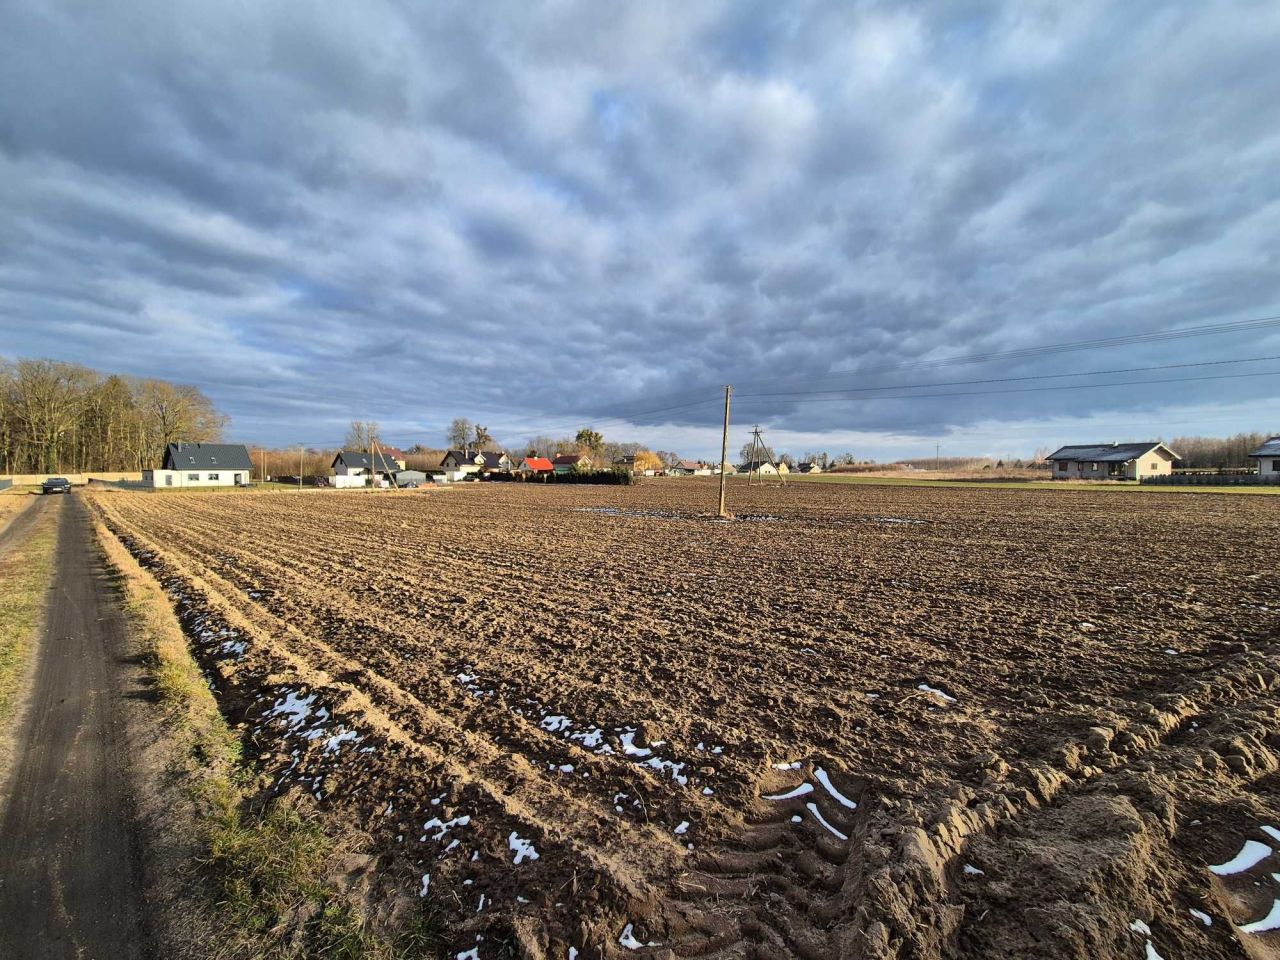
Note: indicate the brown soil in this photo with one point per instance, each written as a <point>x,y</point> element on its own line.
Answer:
<point>1014,722</point>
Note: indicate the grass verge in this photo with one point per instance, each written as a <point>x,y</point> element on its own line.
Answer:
<point>25,574</point>
<point>248,880</point>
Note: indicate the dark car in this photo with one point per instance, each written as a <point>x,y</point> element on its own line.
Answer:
<point>56,485</point>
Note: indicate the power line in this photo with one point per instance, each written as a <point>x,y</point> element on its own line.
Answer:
<point>1038,376</point>
<point>989,393</point>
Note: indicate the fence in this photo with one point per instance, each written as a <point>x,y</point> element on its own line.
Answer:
<point>5,484</point>
<point>1215,480</point>
<point>77,479</point>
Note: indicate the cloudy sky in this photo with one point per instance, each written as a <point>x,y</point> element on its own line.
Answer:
<point>541,215</point>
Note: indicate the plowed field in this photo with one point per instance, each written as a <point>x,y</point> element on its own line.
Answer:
<point>854,722</point>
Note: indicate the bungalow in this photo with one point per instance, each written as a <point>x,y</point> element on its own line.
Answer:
<point>1113,461</point>
<point>465,462</point>
<point>536,467</point>
<point>355,463</point>
<point>202,465</point>
<point>809,467</point>
<point>1268,457</point>
<point>765,468</point>
<point>569,462</point>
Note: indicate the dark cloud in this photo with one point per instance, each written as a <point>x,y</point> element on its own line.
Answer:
<point>538,215</point>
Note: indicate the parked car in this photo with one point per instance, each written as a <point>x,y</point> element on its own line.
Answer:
<point>56,485</point>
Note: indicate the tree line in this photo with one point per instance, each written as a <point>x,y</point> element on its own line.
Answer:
<point>66,418</point>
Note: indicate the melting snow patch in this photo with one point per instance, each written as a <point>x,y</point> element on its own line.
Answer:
<point>628,745</point>
<point>947,698</point>
<point>555,723</point>
<point>628,940</point>
<point>1250,855</point>
<point>817,815</point>
<point>973,871</point>
<point>1152,953</point>
<point>1139,926</point>
<point>836,795</point>
<point>334,743</point>
<point>660,765</point>
<point>1202,917</point>
<point>1272,832</point>
<point>1268,923</point>
<point>683,828</point>
<point>795,765</point>
<point>799,791</point>
<point>472,954</point>
<point>293,707</point>
<point>906,520</point>
<point>426,884</point>
<point>522,848</point>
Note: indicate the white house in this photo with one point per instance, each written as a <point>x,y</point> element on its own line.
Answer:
<point>201,465</point>
<point>1112,461</point>
<point>459,463</point>
<point>1268,457</point>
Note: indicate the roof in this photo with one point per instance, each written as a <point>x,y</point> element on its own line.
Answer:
<point>538,463</point>
<point>690,465</point>
<point>1108,452</point>
<point>360,458</point>
<point>1269,449</point>
<point>394,452</point>
<point>489,459</point>
<point>569,459</point>
<point>206,456</point>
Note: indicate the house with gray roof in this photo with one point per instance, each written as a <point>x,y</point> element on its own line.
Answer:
<point>1268,457</point>
<point>201,465</point>
<point>1112,461</point>
<point>355,463</point>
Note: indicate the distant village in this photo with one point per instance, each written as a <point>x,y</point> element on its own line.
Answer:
<point>219,464</point>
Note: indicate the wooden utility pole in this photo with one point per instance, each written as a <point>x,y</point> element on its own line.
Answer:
<point>724,450</point>
<point>299,468</point>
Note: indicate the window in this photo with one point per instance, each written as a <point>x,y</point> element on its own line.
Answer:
<point>213,476</point>
<point>1275,466</point>
<point>193,477</point>
<point>1093,467</point>
<point>1062,466</point>
<point>168,479</point>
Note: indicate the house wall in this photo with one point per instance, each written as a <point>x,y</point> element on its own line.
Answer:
<point>1156,463</point>
<point>177,479</point>
<point>1268,466</point>
<point>345,481</point>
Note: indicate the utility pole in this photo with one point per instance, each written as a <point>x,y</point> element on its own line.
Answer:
<point>262,465</point>
<point>299,468</point>
<point>724,450</point>
<point>937,456</point>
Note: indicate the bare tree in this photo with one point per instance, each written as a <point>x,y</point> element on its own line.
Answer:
<point>362,435</point>
<point>459,434</point>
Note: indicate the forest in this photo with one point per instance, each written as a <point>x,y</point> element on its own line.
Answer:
<point>66,418</point>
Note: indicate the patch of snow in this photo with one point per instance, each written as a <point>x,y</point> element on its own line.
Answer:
<point>683,828</point>
<point>628,940</point>
<point>1202,917</point>
<point>566,768</point>
<point>523,849</point>
<point>947,698</point>
<point>973,871</point>
<point>817,815</point>
<point>1152,953</point>
<point>293,707</point>
<point>555,723</point>
<point>707,791</point>
<point>426,884</point>
<point>836,795</point>
<point>794,765</point>
<point>1272,832</point>
<point>1268,923</point>
<point>472,954</point>
<point>660,765</point>
<point>629,747</point>
<point>1140,926</point>
<point>334,743</point>
<point>1250,855</point>
<point>799,791</point>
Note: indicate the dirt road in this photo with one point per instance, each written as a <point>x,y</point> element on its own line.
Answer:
<point>69,865</point>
